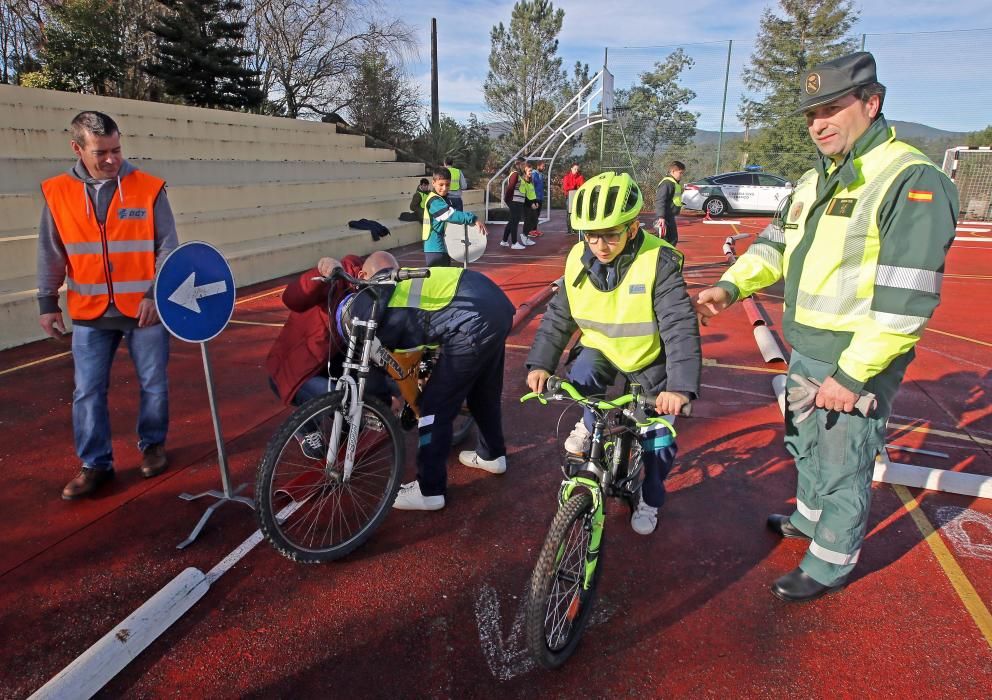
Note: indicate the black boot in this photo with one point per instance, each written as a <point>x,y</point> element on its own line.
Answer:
<point>797,587</point>
<point>781,525</point>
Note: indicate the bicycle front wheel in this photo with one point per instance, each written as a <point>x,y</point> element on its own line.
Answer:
<point>559,602</point>
<point>306,508</point>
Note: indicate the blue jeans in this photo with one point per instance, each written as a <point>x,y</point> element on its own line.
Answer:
<point>93,352</point>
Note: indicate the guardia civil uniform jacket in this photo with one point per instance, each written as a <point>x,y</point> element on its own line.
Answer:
<point>861,248</point>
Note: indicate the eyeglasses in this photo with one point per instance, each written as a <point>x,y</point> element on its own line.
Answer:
<point>611,236</point>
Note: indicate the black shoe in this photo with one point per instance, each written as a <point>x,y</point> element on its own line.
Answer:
<point>798,587</point>
<point>313,446</point>
<point>781,525</point>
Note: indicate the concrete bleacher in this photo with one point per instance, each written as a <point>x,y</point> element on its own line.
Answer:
<point>272,194</point>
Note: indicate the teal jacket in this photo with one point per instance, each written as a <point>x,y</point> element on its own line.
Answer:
<point>443,213</point>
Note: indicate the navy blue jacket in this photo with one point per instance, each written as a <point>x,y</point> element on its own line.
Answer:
<point>479,314</point>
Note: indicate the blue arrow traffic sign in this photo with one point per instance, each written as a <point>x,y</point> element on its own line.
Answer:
<point>194,292</point>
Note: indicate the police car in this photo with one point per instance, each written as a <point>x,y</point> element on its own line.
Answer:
<point>742,191</point>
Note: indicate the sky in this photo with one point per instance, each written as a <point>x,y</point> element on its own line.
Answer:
<point>932,56</point>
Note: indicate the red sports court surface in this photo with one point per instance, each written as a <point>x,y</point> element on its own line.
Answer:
<point>430,607</point>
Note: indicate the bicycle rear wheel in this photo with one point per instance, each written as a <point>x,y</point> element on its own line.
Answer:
<point>305,509</point>
<point>558,602</point>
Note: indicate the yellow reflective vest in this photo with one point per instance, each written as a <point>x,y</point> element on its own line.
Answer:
<point>840,270</point>
<point>427,293</point>
<point>620,323</point>
<point>677,198</point>
<point>456,179</point>
<point>425,229</point>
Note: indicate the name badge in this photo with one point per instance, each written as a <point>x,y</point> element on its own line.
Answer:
<point>841,207</point>
<point>636,289</point>
<point>132,214</point>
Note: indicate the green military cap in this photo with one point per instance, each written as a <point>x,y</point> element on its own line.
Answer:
<point>832,79</point>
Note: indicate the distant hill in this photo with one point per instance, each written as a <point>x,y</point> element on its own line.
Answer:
<point>907,130</point>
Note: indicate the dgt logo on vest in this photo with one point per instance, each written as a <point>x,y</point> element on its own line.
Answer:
<point>123,214</point>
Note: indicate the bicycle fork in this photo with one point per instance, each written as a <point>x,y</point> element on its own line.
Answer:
<point>354,408</point>
<point>595,524</point>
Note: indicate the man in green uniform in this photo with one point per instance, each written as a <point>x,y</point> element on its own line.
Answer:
<point>861,245</point>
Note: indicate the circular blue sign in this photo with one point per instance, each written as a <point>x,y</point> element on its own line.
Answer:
<point>194,292</point>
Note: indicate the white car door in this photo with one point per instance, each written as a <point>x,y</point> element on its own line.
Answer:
<point>770,191</point>
<point>735,189</point>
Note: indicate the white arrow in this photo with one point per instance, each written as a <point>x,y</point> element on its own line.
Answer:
<point>187,293</point>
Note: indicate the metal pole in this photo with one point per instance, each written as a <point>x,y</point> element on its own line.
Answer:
<point>225,477</point>
<point>227,494</point>
<point>602,127</point>
<point>863,37</point>
<point>435,108</point>
<point>723,109</point>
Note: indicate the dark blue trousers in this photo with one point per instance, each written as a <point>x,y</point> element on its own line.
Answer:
<point>593,374</point>
<point>459,376</point>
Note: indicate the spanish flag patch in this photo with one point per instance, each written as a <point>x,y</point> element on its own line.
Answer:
<point>920,196</point>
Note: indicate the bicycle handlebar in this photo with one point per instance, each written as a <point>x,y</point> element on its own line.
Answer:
<point>394,275</point>
<point>556,388</point>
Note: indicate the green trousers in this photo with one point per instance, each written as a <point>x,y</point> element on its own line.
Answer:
<point>835,458</point>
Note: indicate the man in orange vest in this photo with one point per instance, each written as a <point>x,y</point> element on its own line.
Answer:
<point>104,229</point>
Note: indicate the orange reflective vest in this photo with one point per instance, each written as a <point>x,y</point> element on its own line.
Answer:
<point>113,263</point>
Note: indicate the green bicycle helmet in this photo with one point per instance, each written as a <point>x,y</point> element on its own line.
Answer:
<point>605,201</point>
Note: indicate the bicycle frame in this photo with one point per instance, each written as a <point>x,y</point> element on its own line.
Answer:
<point>601,465</point>
<point>356,367</point>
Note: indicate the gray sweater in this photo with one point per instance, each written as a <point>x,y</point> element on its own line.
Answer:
<point>52,257</point>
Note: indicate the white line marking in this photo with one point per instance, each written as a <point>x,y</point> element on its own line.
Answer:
<point>98,665</point>
<point>721,221</point>
<point>973,230</point>
<point>973,239</point>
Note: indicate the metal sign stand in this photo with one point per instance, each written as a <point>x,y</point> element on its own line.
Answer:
<point>227,494</point>
<point>465,239</point>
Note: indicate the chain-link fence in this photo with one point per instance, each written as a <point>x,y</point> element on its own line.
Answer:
<point>939,90</point>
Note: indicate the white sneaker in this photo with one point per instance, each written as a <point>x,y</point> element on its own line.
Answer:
<point>529,241</point>
<point>410,498</point>
<point>579,440</point>
<point>505,244</point>
<point>645,519</point>
<point>471,459</point>
<point>517,246</point>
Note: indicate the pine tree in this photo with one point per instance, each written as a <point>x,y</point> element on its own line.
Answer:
<point>808,32</point>
<point>199,61</point>
<point>525,78</point>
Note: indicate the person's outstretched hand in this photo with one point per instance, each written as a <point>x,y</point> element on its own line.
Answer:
<point>710,302</point>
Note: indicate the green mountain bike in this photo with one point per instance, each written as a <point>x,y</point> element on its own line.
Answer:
<point>562,587</point>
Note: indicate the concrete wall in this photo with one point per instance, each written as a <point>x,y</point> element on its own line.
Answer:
<point>272,194</point>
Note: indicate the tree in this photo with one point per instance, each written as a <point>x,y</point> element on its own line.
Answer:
<point>312,50</point>
<point>656,107</point>
<point>21,27</point>
<point>198,60</point>
<point>808,33</point>
<point>980,138</point>
<point>384,104</point>
<point>83,47</point>
<point>525,76</point>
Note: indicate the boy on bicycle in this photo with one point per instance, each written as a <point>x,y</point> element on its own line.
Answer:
<point>623,289</point>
